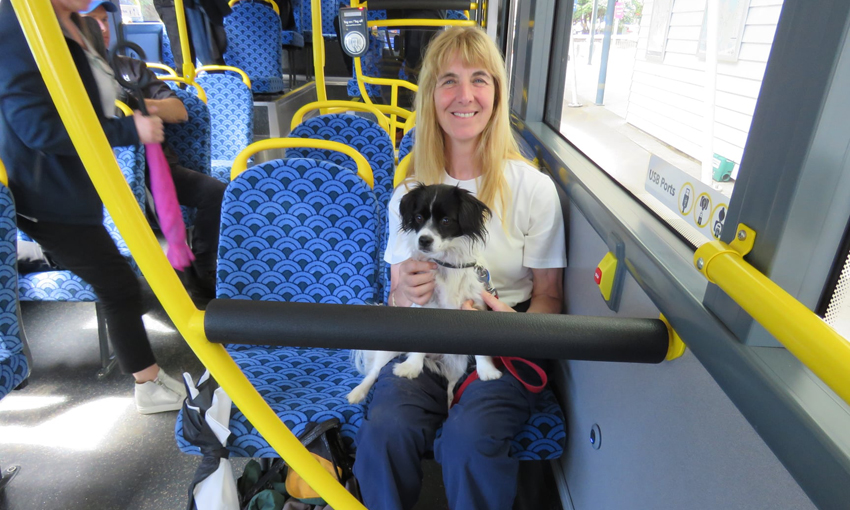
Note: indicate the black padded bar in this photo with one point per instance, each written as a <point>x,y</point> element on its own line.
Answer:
<point>429,330</point>
<point>455,5</point>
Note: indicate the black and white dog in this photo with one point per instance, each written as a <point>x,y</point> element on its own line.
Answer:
<point>446,225</point>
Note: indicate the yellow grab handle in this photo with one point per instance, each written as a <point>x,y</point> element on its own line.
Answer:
<point>243,74</point>
<point>201,94</point>
<point>339,105</point>
<point>241,161</point>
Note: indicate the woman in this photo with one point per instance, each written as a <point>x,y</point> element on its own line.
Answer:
<point>463,138</point>
<point>56,201</point>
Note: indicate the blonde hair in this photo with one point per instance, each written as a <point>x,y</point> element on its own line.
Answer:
<point>496,143</point>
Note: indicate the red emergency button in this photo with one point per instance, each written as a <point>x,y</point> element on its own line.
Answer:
<point>597,276</point>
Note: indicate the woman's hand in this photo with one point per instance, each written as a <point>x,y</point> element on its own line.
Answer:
<point>416,281</point>
<point>490,300</point>
<point>150,129</point>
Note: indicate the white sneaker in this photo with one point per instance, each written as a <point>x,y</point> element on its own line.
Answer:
<point>160,395</point>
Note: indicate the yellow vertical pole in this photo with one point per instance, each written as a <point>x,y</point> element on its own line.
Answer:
<point>318,51</point>
<point>188,64</point>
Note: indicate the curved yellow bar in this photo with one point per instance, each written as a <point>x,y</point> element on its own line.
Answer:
<point>54,60</point>
<point>410,123</point>
<point>163,67</point>
<point>188,65</point>
<point>243,74</point>
<point>231,3</point>
<point>344,105</point>
<point>401,170</point>
<point>803,333</point>
<point>4,177</point>
<point>201,94</point>
<point>241,161</point>
<point>124,108</point>
<point>390,23</point>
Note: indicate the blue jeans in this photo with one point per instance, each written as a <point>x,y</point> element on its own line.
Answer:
<point>400,427</point>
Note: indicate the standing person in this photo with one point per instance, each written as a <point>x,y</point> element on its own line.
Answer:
<point>194,189</point>
<point>463,138</point>
<point>56,201</point>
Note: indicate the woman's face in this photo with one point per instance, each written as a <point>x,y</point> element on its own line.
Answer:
<point>463,99</point>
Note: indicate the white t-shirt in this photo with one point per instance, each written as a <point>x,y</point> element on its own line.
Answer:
<point>534,237</point>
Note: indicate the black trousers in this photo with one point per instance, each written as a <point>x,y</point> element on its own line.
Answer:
<point>89,252</point>
<point>205,194</point>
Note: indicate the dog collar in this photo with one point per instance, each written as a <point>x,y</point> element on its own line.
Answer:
<point>452,266</point>
<point>481,273</point>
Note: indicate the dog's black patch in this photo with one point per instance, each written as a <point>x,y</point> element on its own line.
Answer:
<point>455,211</point>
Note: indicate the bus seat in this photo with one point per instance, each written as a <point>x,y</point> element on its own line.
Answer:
<point>167,54</point>
<point>254,44</point>
<point>293,40</point>
<point>330,10</point>
<point>14,357</point>
<point>231,108</point>
<point>14,365</point>
<point>370,140</point>
<point>65,286</point>
<point>406,144</point>
<point>296,230</point>
<point>191,140</point>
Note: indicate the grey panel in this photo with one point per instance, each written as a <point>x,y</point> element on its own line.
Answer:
<point>671,438</point>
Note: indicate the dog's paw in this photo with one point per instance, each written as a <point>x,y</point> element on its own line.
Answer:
<point>488,372</point>
<point>357,395</point>
<point>408,370</point>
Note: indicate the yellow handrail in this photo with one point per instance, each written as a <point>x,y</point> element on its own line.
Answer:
<point>231,3</point>
<point>126,110</point>
<point>339,105</point>
<point>51,52</point>
<point>4,177</point>
<point>803,333</point>
<point>188,65</point>
<point>155,65</point>
<point>240,164</point>
<point>243,74</point>
<point>201,94</point>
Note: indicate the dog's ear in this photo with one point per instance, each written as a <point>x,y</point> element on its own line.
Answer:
<point>407,207</point>
<point>473,215</point>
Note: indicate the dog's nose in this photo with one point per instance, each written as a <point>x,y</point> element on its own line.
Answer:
<point>425,242</point>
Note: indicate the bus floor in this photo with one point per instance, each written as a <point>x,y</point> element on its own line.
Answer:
<point>79,441</point>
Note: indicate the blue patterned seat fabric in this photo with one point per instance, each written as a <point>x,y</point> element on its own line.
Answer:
<point>303,230</point>
<point>254,44</point>
<point>296,230</point>
<point>370,140</point>
<point>406,144</point>
<point>191,140</point>
<point>369,63</point>
<point>231,107</point>
<point>65,285</point>
<point>167,54</point>
<point>330,10</point>
<point>13,362</point>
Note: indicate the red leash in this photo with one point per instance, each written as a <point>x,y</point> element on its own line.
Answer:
<point>508,362</point>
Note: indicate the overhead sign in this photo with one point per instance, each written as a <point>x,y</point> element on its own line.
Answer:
<point>702,206</point>
<point>619,10</point>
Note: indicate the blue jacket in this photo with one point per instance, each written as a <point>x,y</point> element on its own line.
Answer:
<point>46,176</point>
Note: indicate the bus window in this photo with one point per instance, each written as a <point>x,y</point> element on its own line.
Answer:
<point>662,109</point>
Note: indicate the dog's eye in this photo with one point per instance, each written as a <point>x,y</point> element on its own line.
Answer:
<point>445,222</point>
<point>418,218</point>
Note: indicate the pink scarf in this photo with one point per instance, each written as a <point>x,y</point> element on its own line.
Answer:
<point>167,208</point>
